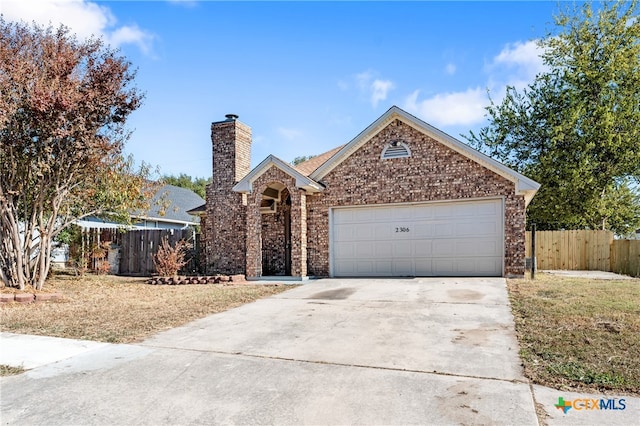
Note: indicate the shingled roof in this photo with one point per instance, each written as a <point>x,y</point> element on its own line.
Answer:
<point>171,203</point>
<point>309,166</point>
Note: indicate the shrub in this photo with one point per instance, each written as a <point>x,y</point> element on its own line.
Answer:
<point>168,259</point>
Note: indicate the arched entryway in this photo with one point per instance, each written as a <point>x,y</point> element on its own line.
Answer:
<point>276,202</point>
<point>275,215</point>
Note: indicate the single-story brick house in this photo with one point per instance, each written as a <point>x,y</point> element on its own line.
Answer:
<point>400,199</point>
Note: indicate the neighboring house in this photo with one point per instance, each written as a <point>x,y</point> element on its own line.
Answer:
<point>401,199</point>
<point>168,209</point>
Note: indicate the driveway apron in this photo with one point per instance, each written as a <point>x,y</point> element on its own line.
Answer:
<point>357,351</point>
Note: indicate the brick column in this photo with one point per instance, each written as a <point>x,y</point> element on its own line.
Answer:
<point>254,237</point>
<point>298,233</point>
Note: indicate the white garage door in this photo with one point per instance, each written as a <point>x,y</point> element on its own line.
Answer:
<point>434,239</point>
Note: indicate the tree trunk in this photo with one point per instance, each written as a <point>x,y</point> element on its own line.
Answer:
<point>13,261</point>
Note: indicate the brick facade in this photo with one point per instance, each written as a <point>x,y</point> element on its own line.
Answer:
<point>240,239</point>
<point>226,210</point>
<point>434,172</point>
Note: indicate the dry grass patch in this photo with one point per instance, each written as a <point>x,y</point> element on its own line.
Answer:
<point>121,309</point>
<point>579,334</point>
<point>7,370</point>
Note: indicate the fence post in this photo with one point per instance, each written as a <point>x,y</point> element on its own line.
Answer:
<point>533,251</point>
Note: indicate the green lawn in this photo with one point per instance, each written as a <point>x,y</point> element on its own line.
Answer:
<point>578,333</point>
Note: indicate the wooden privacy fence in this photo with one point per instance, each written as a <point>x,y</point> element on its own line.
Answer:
<point>625,257</point>
<point>139,247</point>
<point>585,250</point>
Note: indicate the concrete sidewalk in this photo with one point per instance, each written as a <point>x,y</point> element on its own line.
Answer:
<point>28,352</point>
<point>406,351</point>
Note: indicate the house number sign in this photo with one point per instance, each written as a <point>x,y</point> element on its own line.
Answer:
<point>402,229</point>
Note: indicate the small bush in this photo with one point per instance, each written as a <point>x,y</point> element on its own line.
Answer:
<point>169,260</point>
<point>99,254</point>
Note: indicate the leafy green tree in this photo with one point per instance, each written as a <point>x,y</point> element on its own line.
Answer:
<point>63,105</point>
<point>197,185</point>
<point>302,159</point>
<point>576,129</point>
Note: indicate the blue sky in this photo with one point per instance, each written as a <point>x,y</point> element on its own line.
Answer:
<point>305,76</point>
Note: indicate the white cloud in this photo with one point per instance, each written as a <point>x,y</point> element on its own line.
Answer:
<point>517,64</point>
<point>379,89</point>
<point>520,54</point>
<point>364,79</point>
<point>449,109</point>
<point>83,17</point>
<point>289,134</point>
<point>374,88</point>
<point>131,34</point>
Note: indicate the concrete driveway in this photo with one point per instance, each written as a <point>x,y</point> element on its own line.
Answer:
<point>383,351</point>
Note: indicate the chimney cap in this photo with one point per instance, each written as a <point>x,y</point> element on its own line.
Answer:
<point>231,117</point>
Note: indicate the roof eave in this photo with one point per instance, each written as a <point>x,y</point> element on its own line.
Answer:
<point>164,220</point>
<point>245,185</point>
<point>528,188</point>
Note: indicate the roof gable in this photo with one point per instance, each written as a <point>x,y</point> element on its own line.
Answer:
<point>245,185</point>
<point>524,185</point>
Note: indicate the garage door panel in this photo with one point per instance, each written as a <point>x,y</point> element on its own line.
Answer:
<point>431,239</point>
<point>444,248</point>
<point>383,232</point>
<point>383,250</point>
<point>478,229</point>
<point>403,267</point>
<point>385,214</point>
<point>343,233</point>
<point>485,267</point>
<point>423,248</point>
<point>423,230</point>
<point>402,249</point>
<point>384,268</point>
<point>365,267</point>
<point>444,230</point>
<point>424,267</point>
<point>443,211</point>
<point>345,216</point>
<point>363,250</point>
<point>346,267</point>
<point>363,232</point>
<point>487,209</point>
<point>443,266</point>
<point>344,250</point>
<point>399,213</point>
<point>421,214</point>
<point>363,215</point>
<point>476,248</point>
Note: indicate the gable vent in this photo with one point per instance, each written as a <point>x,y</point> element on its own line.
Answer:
<point>395,149</point>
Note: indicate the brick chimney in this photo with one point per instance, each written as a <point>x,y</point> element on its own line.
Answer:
<point>225,241</point>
